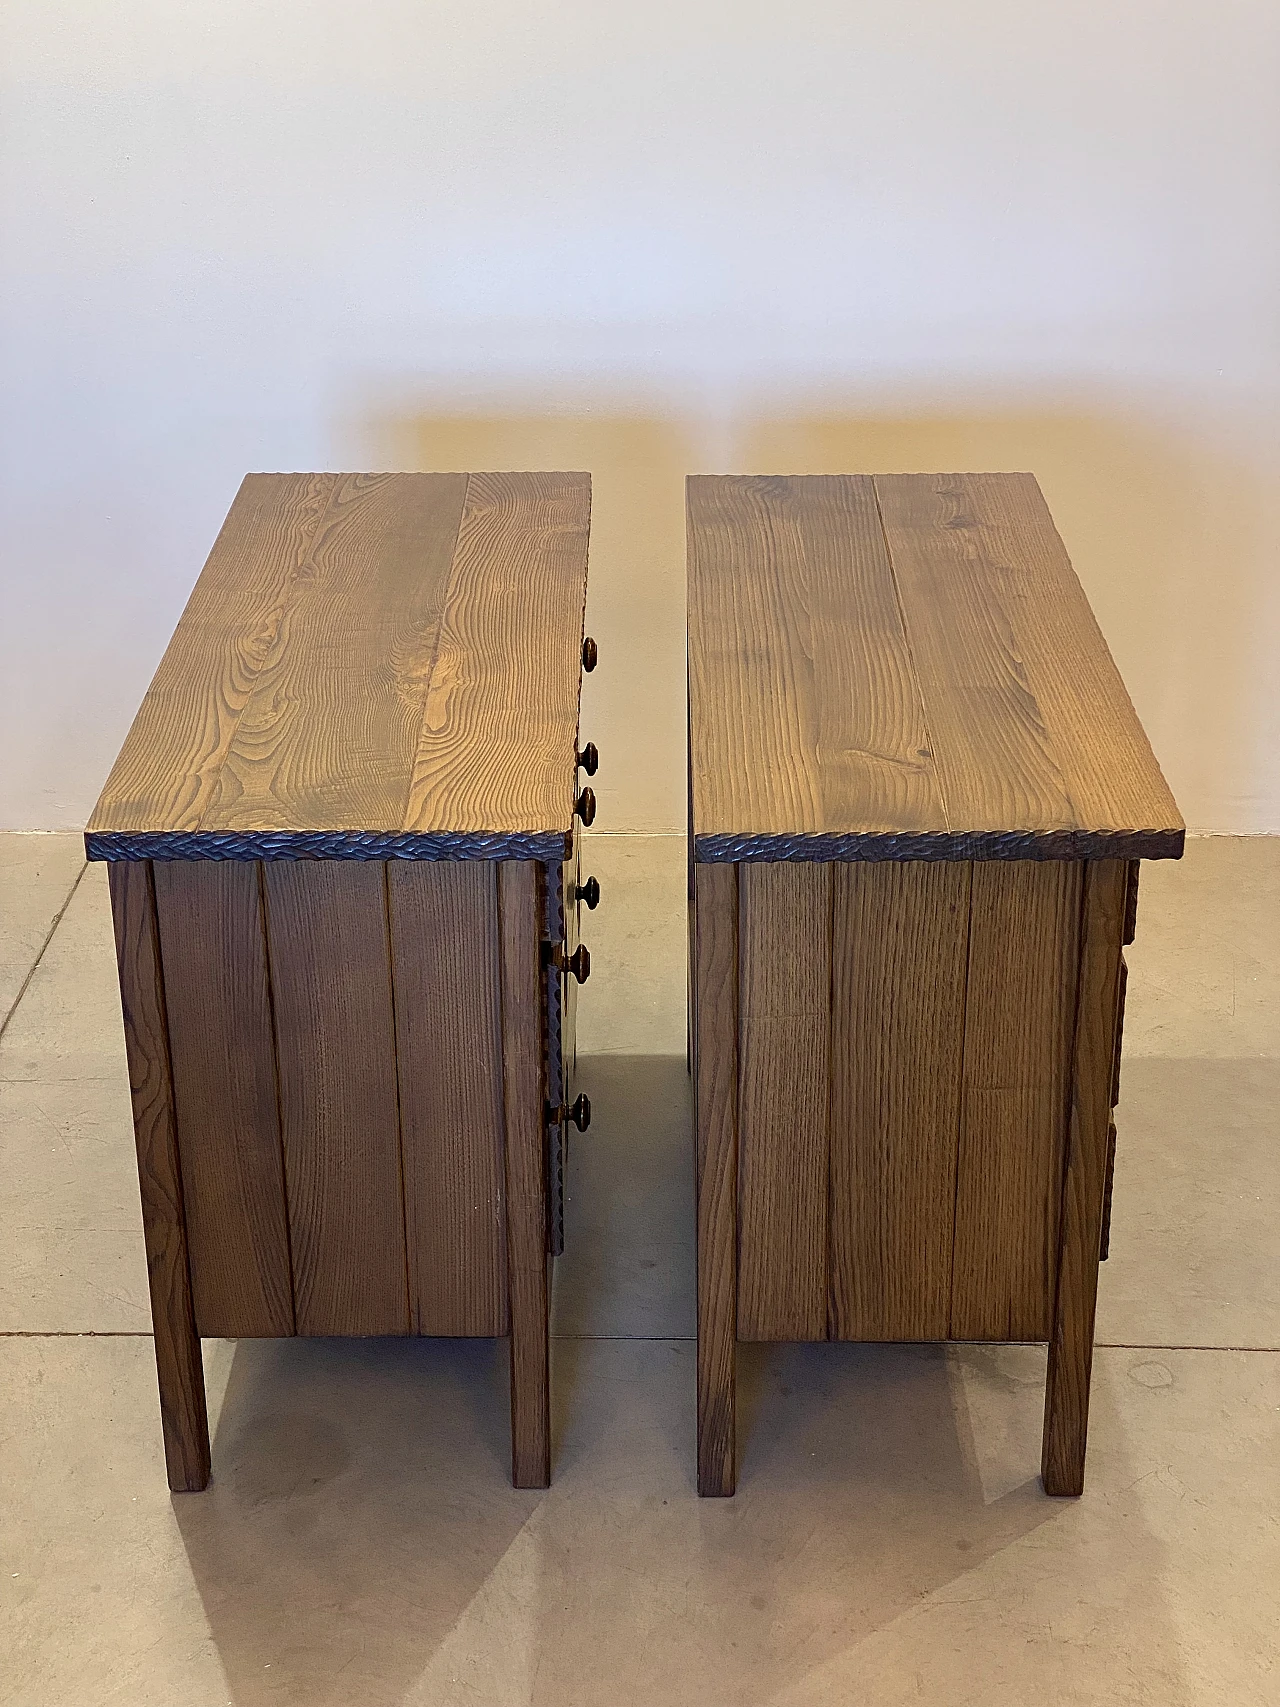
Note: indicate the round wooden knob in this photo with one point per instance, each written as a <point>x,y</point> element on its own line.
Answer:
<point>589,759</point>
<point>586,806</point>
<point>579,963</point>
<point>588,892</point>
<point>590,653</point>
<point>580,1112</point>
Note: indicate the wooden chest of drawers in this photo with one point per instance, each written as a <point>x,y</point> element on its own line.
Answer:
<point>344,885</point>
<point>918,797</point>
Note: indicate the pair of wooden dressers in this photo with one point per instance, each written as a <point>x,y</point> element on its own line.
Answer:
<point>347,890</point>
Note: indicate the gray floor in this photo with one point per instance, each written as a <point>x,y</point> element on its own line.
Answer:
<point>889,1542</point>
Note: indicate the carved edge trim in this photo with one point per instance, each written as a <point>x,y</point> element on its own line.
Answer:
<point>940,845</point>
<point>545,846</point>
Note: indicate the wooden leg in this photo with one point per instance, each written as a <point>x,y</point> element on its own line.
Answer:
<point>1066,1410</point>
<point>715,1069</point>
<point>181,1374</point>
<point>520,908</point>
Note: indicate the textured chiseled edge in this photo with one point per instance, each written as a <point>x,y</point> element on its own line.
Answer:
<point>940,845</point>
<point>541,845</point>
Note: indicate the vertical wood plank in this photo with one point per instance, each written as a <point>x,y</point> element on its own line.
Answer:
<point>222,1047</point>
<point>444,942</point>
<point>1023,968</point>
<point>330,972</point>
<point>784,913</point>
<point>715,1068</point>
<point>520,910</point>
<point>900,937</point>
<point>179,1369</point>
<point>1066,1411</point>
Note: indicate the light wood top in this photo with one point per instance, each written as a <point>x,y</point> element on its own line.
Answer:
<point>370,665</point>
<point>904,667</point>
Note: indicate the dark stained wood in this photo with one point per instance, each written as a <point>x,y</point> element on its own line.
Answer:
<point>356,678</point>
<point>976,713</point>
<point>1131,902</point>
<point>331,977</point>
<point>784,935</point>
<point>444,936</point>
<point>498,742</point>
<point>327,739</point>
<point>178,1364</point>
<point>1066,1412</point>
<point>1104,1242</point>
<point>222,1046</point>
<point>1019,1030</point>
<point>1115,1066</point>
<point>520,911</point>
<point>900,941</point>
<point>715,1066</point>
<point>168,768</point>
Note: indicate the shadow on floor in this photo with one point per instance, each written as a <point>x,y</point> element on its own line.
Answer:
<point>361,1542</point>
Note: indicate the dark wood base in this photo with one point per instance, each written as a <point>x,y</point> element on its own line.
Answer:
<point>340,1080</point>
<point>903,1080</point>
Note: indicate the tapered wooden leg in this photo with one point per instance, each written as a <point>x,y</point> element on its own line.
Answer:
<point>1066,1410</point>
<point>181,1373</point>
<point>520,905</point>
<point>715,1070</point>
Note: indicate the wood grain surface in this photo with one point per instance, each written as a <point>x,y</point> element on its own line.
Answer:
<point>715,1068</point>
<point>1066,1412</point>
<point>327,738</point>
<point>390,659</point>
<point>222,1045</point>
<point>330,972</point>
<point>900,942</point>
<point>1019,1027</point>
<point>784,936</point>
<point>444,936</point>
<point>179,1368</point>
<point>496,747</point>
<point>925,683</point>
<point>520,908</point>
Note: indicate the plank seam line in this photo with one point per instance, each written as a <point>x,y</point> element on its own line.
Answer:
<point>35,964</point>
<point>911,654</point>
<point>275,1068</point>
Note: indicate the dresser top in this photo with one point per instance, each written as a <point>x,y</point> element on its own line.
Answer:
<point>904,667</point>
<point>370,665</point>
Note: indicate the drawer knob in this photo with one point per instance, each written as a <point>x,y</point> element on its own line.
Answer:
<point>588,892</point>
<point>586,806</point>
<point>590,654</point>
<point>579,962</point>
<point>579,1112</point>
<point>589,759</point>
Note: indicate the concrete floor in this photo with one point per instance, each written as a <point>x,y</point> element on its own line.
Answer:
<point>889,1541</point>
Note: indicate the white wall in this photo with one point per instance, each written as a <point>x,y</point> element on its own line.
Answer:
<point>642,240</point>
